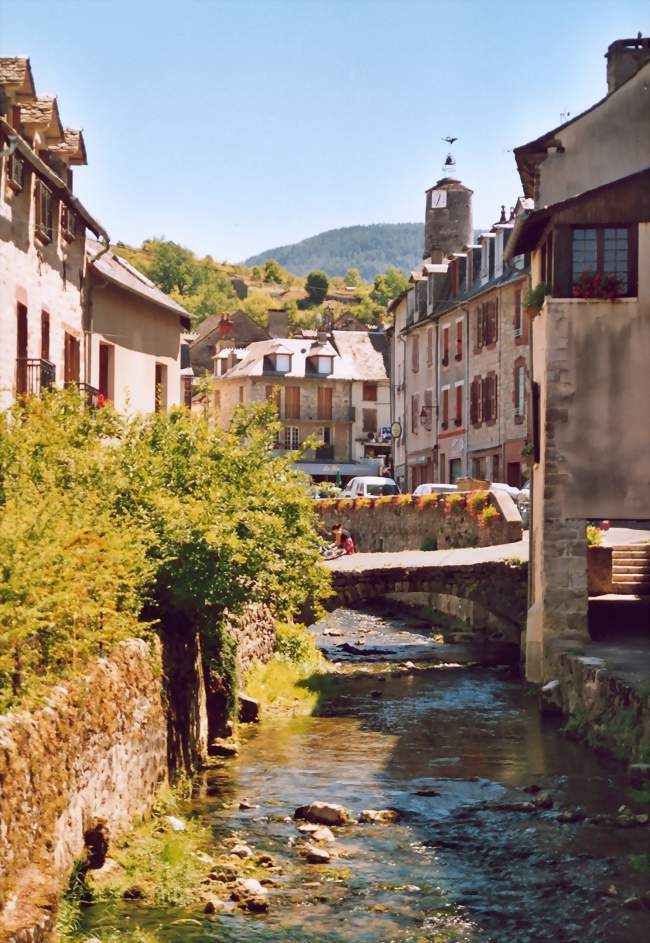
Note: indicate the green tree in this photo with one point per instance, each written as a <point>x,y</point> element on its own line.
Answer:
<point>316,286</point>
<point>272,272</point>
<point>389,285</point>
<point>353,278</point>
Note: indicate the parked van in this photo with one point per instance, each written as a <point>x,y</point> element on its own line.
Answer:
<point>369,487</point>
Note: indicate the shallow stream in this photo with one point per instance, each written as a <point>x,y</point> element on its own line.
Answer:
<point>455,867</point>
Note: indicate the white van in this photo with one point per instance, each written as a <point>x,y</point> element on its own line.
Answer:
<point>369,487</point>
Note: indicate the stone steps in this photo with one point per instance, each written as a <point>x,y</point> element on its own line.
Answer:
<point>631,569</point>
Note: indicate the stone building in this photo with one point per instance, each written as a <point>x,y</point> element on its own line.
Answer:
<point>71,312</point>
<point>231,329</point>
<point>333,387</point>
<point>587,225</point>
<point>459,347</point>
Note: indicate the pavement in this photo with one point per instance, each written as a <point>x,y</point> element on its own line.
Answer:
<point>462,556</point>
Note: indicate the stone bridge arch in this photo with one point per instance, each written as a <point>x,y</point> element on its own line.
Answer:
<point>499,587</point>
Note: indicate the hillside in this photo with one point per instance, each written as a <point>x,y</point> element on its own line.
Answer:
<point>370,249</point>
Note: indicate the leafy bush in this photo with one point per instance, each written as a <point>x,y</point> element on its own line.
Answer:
<point>594,536</point>
<point>429,543</point>
<point>454,502</point>
<point>476,501</point>
<point>294,643</point>
<point>488,516</point>
<point>316,286</point>
<point>112,525</point>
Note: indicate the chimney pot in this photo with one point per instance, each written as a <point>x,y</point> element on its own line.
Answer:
<point>624,59</point>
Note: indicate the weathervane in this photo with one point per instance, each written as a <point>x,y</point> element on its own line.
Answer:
<point>449,166</point>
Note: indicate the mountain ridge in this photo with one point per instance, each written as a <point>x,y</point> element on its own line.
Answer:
<point>370,248</point>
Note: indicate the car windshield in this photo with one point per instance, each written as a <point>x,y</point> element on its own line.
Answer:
<point>378,489</point>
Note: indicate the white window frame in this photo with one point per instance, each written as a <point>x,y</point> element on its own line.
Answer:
<point>520,409</point>
<point>325,361</point>
<point>291,438</point>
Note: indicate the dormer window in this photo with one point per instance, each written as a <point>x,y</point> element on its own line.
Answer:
<point>324,365</point>
<point>16,171</point>
<point>277,363</point>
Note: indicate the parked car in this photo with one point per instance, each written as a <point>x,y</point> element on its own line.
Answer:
<point>368,486</point>
<point>523,503</point>
<point>428,488</point>
<point>509,489</point>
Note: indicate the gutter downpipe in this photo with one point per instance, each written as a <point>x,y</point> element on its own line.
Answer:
<point>87,307</point>
<point>466,397</point>
<point>404,429</point>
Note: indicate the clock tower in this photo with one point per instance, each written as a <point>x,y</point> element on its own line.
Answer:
<point>448,219</point>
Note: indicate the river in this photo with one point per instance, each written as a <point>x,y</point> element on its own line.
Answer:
<point>452,747</point>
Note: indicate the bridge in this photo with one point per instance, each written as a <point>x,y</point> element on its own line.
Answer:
<point>493,579</point>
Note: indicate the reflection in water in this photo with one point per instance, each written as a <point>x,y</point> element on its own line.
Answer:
<point>452,869</point>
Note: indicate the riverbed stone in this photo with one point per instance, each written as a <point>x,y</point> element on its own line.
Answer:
<point>246,804</point>
<point>379,816</point>
<point>323,834</point>
<point>543,801</point>
<point>323,813</point>
<point>317,855</point>
<point>134,892</point>
<point>241,851</point>
<point>632,903</point>
<point>223,748</point>
<point>214,905</point>
<point>249,709</point>
<point>174,823</point>
<point>550,699</point>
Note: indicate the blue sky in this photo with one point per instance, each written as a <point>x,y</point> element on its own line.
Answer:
<point>235,125</point>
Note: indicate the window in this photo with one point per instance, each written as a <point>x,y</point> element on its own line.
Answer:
<point>602,252</point>
<point>496,468</point>
<point>324,403</point>
<point>68,222</point>
<point>491,329</point>
<point>595,261</point>
<point>44,211</point>
<point>369,420</point>
<point>459,341</point>
<point>480,326</point>
<point>429,346</point>
<point>71,348</point>
<point>458,418</point>
<point>520,389</point>
<point>324,364</point>
<point>478,468</point>
<point>272,395</point>
<point>445,407</point>
<point>324,435</point>
<point>292,402</point>
<point>16,172</point>
<point>370,392</point>
<point>291,437</point>
<point>160,401</point>
<point>241,394</point>
<point>489,398</point>
<point>517,321</point>
<point>415,354</point>
<point>45,335</point>
<point>415,413</point>
<point>282,363</point>
<point>474,399</point>
<point>106,362</point>
<point>445,346</point>
<point>186,392</point>
<point>428,409</point>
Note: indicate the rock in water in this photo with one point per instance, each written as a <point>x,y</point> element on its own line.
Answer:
<point>249,709</point>
<point>223,748</point>
<point>323,813</point>
<point>176,825</point>
<point>241,851</point>
<point>323,833</point>
<point>317,855</point>
<point>551,699</point>
<point>379,816</point>
<point>214,905</point>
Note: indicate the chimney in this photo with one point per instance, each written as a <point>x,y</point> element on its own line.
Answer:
<point>278,323</point>
<point>624,58</point>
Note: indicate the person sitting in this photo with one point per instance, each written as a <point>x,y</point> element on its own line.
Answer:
<point>343,540</point>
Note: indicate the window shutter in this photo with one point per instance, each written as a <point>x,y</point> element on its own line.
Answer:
<point>494,396</point>
<point>479,326</point>
<point>472,403</point>
<point>484,399</point>
<point>459,405</point>
<point>495,309</point>
<point>37,204</point>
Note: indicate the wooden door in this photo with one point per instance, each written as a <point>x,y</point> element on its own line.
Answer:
<point>71,359</point>
<point>45,336</point>
<point>105,371</point>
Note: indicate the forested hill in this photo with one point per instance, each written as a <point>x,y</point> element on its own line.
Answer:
<point>370,249</point>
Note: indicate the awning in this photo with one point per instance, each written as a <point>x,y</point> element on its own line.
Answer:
<point>332,468</point>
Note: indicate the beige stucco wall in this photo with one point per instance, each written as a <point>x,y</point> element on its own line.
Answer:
<point>32,273</point>
<point>621,127</point>
<point>142,334</point>
<point>382,407</point>
<point>600,403</point>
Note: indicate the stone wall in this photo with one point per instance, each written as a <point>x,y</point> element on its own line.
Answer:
<point>95,754</point>
<point>392,527</point>
<point>599,570</point>
<point>607,706</point>
<point>254,631</point>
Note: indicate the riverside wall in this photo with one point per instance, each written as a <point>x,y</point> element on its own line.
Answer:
<point>392,526</point>
<point>81,769</point>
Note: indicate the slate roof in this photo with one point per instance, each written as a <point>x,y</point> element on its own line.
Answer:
<point>72,146</point>
<point>357,355</point>
<point>121,273</point>
<point>15,70</point>
<point>42,111</point>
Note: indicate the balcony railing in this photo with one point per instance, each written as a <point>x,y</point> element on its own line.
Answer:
<point>33,375</point>
<point>325,453</point>
<point>90,394</point>
<point>345,414</point>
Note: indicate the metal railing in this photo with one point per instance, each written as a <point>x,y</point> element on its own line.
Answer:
<point>34,374</point>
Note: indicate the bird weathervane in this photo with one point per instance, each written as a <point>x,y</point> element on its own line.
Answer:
<point>449,166</point>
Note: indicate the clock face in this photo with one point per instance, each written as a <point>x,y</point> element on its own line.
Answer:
<point>396,430</point>
<point>438,199</point>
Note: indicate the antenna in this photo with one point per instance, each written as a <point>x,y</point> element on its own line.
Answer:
<point>449,166</point>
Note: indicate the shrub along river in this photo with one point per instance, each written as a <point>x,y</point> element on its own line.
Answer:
<point>507,830</point>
